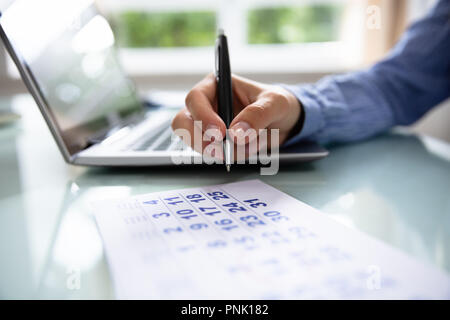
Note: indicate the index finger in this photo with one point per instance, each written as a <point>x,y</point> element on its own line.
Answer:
<point>200,102</point>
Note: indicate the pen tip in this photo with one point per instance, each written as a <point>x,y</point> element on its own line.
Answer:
<point>228,168</point>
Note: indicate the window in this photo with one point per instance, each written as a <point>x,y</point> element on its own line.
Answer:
<point>265,25</point>
<point>265,36</point>
<point>177,36</point>
<point>296,24</point>
<point>135,29</point>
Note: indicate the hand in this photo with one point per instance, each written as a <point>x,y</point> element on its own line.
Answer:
<point>256,105</point>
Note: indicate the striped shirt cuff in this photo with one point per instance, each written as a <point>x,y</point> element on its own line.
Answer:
<point>313,120</point>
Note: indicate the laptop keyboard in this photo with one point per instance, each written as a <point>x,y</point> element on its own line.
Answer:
<point>158,141</point>
<point>165,144</point>
<point>146,143</point>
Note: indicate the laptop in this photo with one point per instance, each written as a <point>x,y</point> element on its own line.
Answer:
<point>66,54</point>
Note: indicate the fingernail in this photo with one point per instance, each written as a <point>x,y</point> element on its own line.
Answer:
<point>239,129</point>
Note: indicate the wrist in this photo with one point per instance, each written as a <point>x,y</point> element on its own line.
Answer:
<point>297,114</point>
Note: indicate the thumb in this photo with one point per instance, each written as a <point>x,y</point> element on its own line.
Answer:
<point>269,107</point>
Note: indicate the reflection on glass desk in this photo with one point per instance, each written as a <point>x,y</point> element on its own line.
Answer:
<point>394,187</point>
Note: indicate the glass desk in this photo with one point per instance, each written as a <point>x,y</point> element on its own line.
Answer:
<point>394,187</point>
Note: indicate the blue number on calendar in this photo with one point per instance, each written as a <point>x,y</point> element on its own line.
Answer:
<point>187,217</point>
<point>226,224</point>
<point>275,216</point>
<point>302,232</point>
<point>151,202</point>
<point>198,226</point>
<point>217,244</point>
<point>223,222</point>
<point>247,241</point>
<point>173,200</point>
<point>255,203</point>
<point>252,221</point>
<point>159,215</point>
<point>217,195</point>
<point>195,197</point>
<point>234,207</point>
<point>274,237</point>
<point>244,239</point>
<point>185,211</point>
<point>210,211</point>
<point>173,230</point>
<point>186,214</point>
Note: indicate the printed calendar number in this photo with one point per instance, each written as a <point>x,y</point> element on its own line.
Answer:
<point>185,211</point>
<point>226,224</point>
<point>173,200</point>
<point>217,244</point>
<point>198,226</point>
<point>209,211</point>
<point>151,202</point>
<point>159,215</point>
<point>244,239</point>
<point>275,216</point>
<point>255,203</point>
<point>252,221</point>
<point>302,232</point>
<point>274,237</point>
<point>173,230</point>
<point>195,198</point>
<point>186,214</point>
<point>217,195</point>
<point>234,207</point>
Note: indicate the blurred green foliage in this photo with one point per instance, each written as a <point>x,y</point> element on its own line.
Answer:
<point>137,29</point>
<point>314,23</point>
<point>272,25</point>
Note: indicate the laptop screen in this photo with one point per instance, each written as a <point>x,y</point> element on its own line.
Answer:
<point>68,50</point>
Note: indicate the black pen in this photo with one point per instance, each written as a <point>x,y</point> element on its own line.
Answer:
<point>224,91</point>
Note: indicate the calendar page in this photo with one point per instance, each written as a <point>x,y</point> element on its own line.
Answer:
<point>247,240</point>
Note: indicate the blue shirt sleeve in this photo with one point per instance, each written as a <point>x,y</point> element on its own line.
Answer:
<point>412,79</point>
